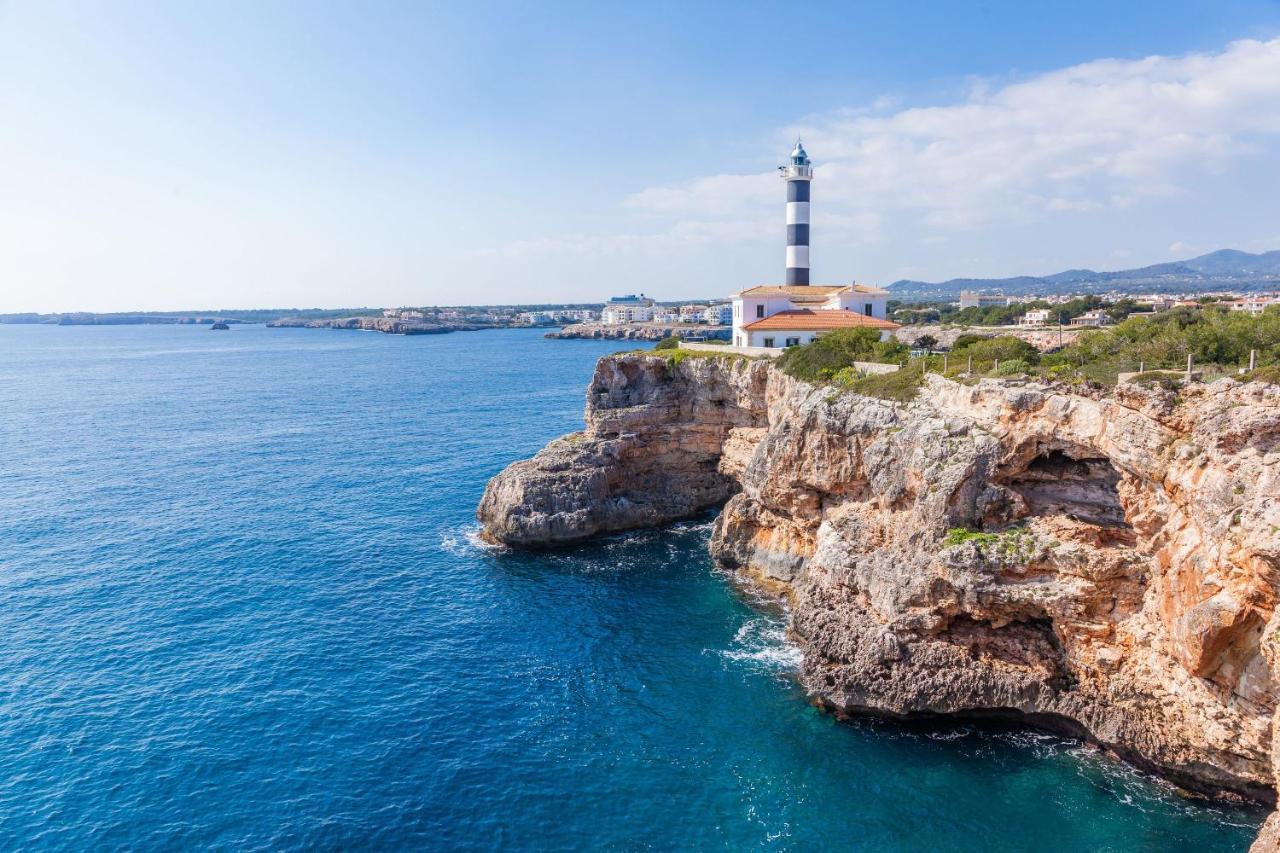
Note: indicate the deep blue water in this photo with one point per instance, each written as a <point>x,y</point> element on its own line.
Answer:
<point>241,607</point>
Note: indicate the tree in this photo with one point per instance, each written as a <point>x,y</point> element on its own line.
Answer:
<point>926,343</point>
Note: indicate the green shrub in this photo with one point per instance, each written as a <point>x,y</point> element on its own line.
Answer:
<point>1003,348</point>
<point>964,341</point>
<point>834,351</point>
<point>1013,367</point>
<point>720,342</point>
<point>672,342</point>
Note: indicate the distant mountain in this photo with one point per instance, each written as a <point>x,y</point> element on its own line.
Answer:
<point>1225,269</point>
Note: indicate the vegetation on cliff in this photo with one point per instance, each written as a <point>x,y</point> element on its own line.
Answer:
<point>833,352</point>
<point>1219,343</point>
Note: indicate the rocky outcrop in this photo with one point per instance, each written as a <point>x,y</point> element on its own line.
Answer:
<point>650,453</point>
<point>1103,564</point>
<point>637,331</point>
<point>387,325</point>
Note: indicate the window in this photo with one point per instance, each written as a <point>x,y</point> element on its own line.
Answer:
<point>793,342</point>
<point>759,311</point>
<point>866,309</point>
<point>768,342</point>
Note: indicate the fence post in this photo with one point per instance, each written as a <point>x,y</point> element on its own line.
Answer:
<point>996,369</point>
<point>944,364</point>
<point>1188,367</point>
<point>1142,367</point>
<point>1253,359</point>
<point>970,364</point>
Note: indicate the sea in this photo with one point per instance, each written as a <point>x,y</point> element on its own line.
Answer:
<point>243,606</point>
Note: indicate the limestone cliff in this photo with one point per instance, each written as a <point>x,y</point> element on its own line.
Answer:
<point>1105,564</point>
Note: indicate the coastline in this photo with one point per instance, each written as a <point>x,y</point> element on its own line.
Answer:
<point>1074,619</point>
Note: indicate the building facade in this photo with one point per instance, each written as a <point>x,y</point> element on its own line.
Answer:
<point>778,316</point>
<point>627,309</point>
<point>973,299</point>
<point>719,314</point>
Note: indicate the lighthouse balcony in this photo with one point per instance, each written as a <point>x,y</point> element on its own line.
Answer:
<point>796,173</point>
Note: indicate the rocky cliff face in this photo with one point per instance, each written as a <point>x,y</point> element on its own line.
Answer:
<point>650,454</point>
<point>1103,564</point>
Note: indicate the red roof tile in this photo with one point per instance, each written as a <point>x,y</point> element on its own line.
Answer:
<point>806,320</point>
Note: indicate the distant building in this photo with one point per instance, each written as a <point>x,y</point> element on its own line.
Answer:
<point>973,299</point>
<point>627,309</point>
<point>665,315</point>
<point>1091,318</point>
<point>1254,305</point>
<point>407,314</point>
<point>720,314</point>
<point>1035,317</point>
<point>691,313</point>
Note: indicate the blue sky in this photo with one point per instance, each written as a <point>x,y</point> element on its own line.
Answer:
<point>203,155</point>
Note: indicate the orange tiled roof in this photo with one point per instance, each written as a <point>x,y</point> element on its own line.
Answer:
<point>807,320</point>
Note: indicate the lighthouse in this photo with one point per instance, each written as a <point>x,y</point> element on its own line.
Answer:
<point>798,174</point>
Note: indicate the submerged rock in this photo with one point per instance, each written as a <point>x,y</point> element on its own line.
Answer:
<point>1106,565</point>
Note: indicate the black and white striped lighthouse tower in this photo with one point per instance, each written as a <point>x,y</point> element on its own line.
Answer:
<point>798,173</point>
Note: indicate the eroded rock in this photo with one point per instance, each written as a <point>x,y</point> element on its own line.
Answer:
<point>1106,564</point>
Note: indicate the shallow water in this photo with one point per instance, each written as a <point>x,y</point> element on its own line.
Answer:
<point>242,605</point>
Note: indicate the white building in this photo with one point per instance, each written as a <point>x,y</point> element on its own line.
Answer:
<point>973,299</point>
<point>1035,317</point>
<point>720,314</point>
<point>1091,318</point>
<point>1254,305</point>
<point>776,316</point>
<point>691,313</point>
<point>665,315</point>
<point>627,309</point>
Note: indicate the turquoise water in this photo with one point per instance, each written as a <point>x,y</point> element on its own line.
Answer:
<point>241,606</point>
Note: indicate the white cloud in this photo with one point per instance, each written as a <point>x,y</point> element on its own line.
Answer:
<point>1103,135</point>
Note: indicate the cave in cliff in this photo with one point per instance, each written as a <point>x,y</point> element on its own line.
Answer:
<point>1069,482</point>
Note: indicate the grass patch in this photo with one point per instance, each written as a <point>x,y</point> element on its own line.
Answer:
<point>1158,379</point>
<point>963,535</point>
<point>901,386</point>
<point>1270,374</point>
<point>1016,544</point>
<point>675,357</point>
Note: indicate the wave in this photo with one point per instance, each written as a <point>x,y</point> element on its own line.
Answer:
<point>465,541</point>
<point>763,642</point>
